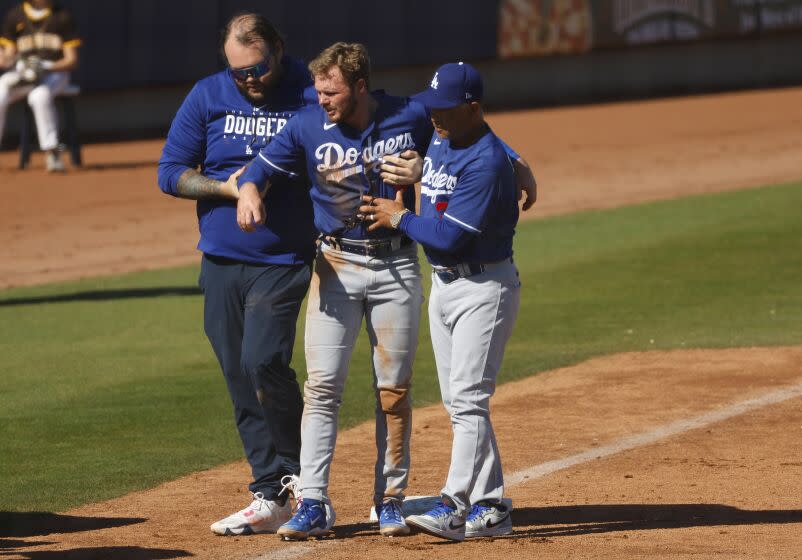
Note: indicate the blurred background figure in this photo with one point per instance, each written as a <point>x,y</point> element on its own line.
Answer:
<point>39,47</point>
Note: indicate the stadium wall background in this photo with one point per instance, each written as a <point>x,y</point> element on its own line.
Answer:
<point>140,57</point>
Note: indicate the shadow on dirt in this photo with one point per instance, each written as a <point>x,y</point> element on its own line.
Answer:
<point>102,295</point>
<point>122,165</point>
<point>14,544</point>
<point>563,521</point>
<point>567,521</point>
<point>104,553</point>
<point>37,523</point>
<point>18,525</point>
<point>355,530</point>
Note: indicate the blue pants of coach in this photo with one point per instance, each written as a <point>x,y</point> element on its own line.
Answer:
<point>250,312</point>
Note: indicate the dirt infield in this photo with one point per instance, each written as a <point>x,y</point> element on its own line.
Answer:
<point>678,455</point>
<point>726,489</point>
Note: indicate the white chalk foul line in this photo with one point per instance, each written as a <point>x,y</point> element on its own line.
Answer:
<point>297,550</point>
<point>657,434</point>
<point>293,550</point>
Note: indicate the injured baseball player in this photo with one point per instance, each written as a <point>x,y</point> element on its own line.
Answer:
<point>358,274</point>
<point>468,213</point>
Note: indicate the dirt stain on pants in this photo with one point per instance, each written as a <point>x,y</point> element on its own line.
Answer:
<point>396,406</point>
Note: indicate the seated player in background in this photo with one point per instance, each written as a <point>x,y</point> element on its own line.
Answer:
<point>39,43</point>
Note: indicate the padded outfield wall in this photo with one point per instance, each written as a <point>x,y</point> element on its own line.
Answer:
<point>140,57</point>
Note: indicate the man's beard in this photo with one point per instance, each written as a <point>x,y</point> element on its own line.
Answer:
<point>349,109</point>
<point>253,97</point>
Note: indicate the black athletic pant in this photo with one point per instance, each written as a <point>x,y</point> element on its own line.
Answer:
<point>250,313</point>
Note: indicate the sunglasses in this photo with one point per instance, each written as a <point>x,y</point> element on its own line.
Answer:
<point>256,71</point>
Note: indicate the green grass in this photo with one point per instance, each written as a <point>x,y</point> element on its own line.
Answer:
<point>108,385</point>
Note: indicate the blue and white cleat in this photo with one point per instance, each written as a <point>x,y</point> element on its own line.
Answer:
<point>312,519</point>
<point>488,520</point>
<point>391,520</point>
<point>440,521</point>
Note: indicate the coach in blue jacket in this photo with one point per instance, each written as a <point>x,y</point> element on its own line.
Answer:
<point>253,284</point>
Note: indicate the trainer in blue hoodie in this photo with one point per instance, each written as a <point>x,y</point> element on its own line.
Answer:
<point>253,284</point>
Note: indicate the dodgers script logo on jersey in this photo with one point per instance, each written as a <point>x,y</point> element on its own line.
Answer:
<point>337,163</point>
<point>341,162</point>
<point>437,184</point>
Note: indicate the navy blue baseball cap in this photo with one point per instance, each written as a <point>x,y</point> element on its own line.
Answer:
<point>453,84</point>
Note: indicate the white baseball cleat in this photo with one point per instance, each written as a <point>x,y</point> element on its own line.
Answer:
<point>262,516</point>
<point>440,521</point>
<point>54,163</point>
<point>488,520</point>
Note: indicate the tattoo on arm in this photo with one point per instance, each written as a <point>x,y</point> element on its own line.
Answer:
<point>193,185</point>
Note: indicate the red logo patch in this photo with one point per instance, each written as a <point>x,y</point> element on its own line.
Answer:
<point>441,206</point>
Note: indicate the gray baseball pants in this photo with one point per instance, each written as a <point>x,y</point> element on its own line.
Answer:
<point>387,292</point>
<point>471,320</point>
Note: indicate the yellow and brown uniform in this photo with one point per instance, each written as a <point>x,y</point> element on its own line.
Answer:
<point>41,33</point>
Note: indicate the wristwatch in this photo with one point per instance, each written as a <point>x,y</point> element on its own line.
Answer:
<point>395,218</point>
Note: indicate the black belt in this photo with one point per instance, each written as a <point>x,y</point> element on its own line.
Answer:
<point>448,274</point>
<point>378,248</point>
